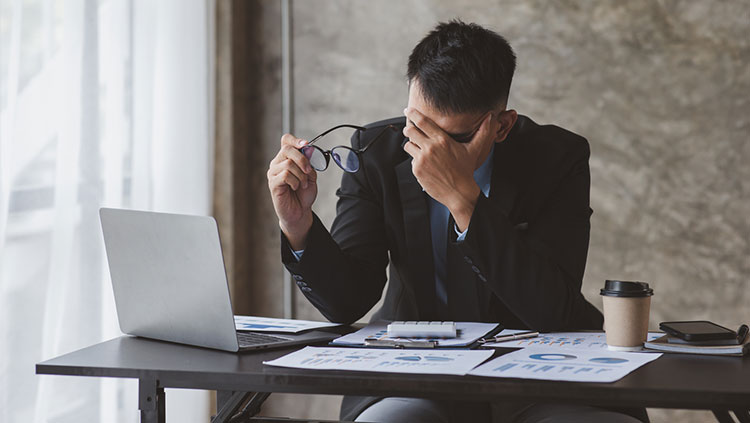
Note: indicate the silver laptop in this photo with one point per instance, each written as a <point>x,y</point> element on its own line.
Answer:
<point>170,284</point>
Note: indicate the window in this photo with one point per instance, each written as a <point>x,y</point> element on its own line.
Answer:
<point>101,104</point>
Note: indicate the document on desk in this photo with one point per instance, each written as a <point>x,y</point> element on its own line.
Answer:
<point>444,362</point>
<point>568,365</point>
<point>466,333</point>
<point>586,341</point>
<point>270,324</point>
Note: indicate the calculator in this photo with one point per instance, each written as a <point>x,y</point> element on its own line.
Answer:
<point>416,329</point>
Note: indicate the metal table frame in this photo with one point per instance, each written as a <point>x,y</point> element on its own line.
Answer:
<point>719,384</point>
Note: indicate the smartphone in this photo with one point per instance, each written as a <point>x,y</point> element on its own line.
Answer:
<point>697,330</point>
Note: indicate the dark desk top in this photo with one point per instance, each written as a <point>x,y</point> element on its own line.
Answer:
<point>672,381</point>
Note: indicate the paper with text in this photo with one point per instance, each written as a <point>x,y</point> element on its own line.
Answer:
<point>270,324</point>
<point>557,340</point>
<point>445,362</point>
<point>568,365</point>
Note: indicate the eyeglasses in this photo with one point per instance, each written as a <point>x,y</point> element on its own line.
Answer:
<point>345,157</point>
<point>465,138</point>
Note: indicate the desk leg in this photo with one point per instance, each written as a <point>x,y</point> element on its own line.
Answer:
<point>723,416</point>
<point>742,415</point>
<point>229,404</point>
<point>151,401</point>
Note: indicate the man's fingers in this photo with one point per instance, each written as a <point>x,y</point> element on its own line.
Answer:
<point>296,171</point>
<point>411,148</point>
<point>285,177</point>
<point>290,143</point>
<point>414,135</point>
<point>290,166</point>
<point>288,156</point>
<point>312,177</point>
<point>486,133</point>
<point>485,128</point>
<point>290,146</point>
<point>291,140</point>
<point>299,158</point>
<point>424,124</point>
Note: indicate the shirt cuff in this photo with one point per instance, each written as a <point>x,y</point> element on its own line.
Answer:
<point>298,254</point>
<point>460,235</point>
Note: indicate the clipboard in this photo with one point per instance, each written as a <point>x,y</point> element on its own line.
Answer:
<point>375,335</point>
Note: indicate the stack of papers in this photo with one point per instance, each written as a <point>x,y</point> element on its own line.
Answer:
<point>558,340</point>
<point>663,344</point>
<point>467,333</point>
<point>444,362</point>
<point>566,356</point>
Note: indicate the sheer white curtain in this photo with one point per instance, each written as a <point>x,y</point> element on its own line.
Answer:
<point>102,103</point>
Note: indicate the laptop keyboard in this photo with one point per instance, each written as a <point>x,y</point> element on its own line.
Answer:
<point>248,339</point>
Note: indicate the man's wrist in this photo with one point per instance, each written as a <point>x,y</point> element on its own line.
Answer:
<point>296,233</point>
<point>463,207</point>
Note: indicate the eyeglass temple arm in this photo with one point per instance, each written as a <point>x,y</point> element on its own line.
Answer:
<point>377,137</point>
<point>360,128</point>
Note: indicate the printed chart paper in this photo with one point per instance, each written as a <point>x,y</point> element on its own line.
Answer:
<point>567,365</point>
<point>444,362</point>
<point>467,332</point>
<point>269,324</point>
<point>556,340</point>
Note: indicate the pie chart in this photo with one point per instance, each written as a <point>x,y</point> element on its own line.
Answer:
<point>608,360</point>
<point>552,357</point>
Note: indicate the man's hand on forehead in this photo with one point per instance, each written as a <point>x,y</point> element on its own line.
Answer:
<point>423,124</point>
<point>445,168</point>
<point>421,131</point>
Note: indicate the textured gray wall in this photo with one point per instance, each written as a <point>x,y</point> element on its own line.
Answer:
<point>659,88</point>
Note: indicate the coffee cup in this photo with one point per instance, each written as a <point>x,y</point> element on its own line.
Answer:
<point>626,309</point>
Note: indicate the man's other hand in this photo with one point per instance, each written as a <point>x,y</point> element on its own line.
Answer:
<point>293,186</point>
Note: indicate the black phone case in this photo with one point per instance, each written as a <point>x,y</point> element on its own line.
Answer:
<point>695,337</point>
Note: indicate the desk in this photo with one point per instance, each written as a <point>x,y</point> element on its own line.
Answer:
<point>672,381</point>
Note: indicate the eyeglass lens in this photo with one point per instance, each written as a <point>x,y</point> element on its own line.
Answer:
<point>315,155</point>
<point>346,158</point>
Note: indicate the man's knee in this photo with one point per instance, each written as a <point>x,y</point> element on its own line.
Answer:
<point>565,413</point>
<point>406,410</point>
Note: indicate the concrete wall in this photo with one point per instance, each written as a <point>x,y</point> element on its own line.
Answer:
<point>660,89</point>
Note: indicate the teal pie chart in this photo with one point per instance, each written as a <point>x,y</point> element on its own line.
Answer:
<point>552,357</point>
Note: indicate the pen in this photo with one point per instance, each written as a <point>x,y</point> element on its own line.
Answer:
<point>501,338</point>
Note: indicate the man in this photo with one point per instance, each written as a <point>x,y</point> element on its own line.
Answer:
<point>482,214</point>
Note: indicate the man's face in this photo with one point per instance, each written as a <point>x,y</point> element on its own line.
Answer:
<point>459,126</point>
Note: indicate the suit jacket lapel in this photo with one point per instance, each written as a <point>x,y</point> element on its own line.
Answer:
<point>503,188</point>
<point>418,239</point>
<point>503,196</point>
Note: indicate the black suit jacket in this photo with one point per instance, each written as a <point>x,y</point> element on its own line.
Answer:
<point>521,263</point>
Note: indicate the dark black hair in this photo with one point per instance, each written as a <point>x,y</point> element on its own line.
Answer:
<point>462,68</point>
